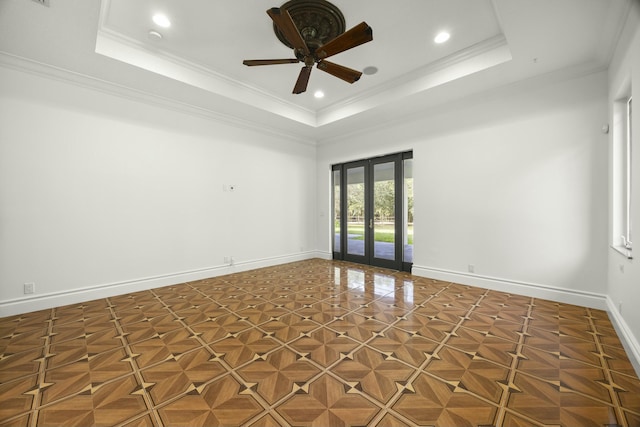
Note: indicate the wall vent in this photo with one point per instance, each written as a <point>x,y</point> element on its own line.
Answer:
<point>42,2</point>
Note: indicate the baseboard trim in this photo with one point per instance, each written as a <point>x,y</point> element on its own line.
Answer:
<point>629,341</point>
<point>568,296</point>
<point>563,295</point>
<point>587,299</point>
<point>324,255</point>
<point>57,299</point>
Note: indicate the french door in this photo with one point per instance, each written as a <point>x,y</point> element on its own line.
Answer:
<point>373,211</point>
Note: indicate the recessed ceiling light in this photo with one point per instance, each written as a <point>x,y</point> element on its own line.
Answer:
<point>370,70</point>
<point>442,37</point>
<point>161,20</point>
<point>319,94</point>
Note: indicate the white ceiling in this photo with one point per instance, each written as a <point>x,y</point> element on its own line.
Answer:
<point>198,62</point>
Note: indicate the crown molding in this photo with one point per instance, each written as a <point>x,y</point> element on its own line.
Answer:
<point>52,72</point>
<point>473,59</point>
<point>116,46</point>
<point>484,54</point>
<point>481,96</point>
<point>617,20</point>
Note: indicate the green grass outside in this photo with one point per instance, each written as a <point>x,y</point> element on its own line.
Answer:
<point>383,232</point>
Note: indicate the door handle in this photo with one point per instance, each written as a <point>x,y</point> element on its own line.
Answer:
<point>371,224</point>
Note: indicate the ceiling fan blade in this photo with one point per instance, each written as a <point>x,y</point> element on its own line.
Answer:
<point>349,75</point>
<point>303,80</point>
<point>360,34</point>
<point>253,62</point>
<point>284,22</point>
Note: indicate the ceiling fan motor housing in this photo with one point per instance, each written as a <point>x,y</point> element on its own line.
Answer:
<point>314,29</point>
<point>317,20</point>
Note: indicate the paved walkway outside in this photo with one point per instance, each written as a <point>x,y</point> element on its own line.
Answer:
<point>383,250</point>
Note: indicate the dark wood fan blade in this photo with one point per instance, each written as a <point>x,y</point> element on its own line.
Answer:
<point>254,62</point>
<point>284,22</point>
<point>303,80</point>
<point>360,34</point>
<point>349,75</point>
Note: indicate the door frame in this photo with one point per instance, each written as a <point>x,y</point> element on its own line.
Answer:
<point>369,258</point>
<point>344,235</point>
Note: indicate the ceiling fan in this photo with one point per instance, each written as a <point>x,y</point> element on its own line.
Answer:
<point>314,29</point>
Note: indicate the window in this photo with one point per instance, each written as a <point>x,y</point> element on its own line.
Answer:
<point>622,178</point>
<point>626,235</point>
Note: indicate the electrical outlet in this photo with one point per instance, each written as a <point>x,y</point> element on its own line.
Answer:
<point>620,307</point>
<point>621,267</point>
<point>471,268</point>
<point>29,288</point>
<point>226,260</point>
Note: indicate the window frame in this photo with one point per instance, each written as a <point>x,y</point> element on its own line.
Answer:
<point>627,231</point>
<point>622,179</point>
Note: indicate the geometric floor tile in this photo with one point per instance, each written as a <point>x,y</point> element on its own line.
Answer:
<point>550,403</point>
<point>181,375</point>
<point>289,327</point>
<point>391,421</point>
<point>356,326</point>
<point>409,348</point>
<point>15,396</point>
<point>244,347</point>
<point>22,421</point>
<point>483,344</point>
<point>326,402</point>
<point>324,346</point>
<point>430,401</point>
<point>373,373</point>
<point>11,343</point>
<point>221,403</point>
<point>13,366</point>
<point>220,327</point>
<point>464,371</point>
<point>266,421</point>
<point>144,421</point>
<point>322,312</point>
<point>625,388</point>
<point>279,374</point>
<point>316,343</point>
<point>81,375</point>
<point>102,404</point>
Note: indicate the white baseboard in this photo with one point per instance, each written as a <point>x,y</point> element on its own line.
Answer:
<point>324,255</point>
<point>567,296</point>
<point>57,299</point>
<point>629,341</point>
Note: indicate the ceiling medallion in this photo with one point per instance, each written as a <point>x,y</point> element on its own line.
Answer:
<point>317,20</point>
<point>314,29</point>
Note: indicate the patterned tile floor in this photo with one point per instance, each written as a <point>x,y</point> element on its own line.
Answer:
<point>316,343</point>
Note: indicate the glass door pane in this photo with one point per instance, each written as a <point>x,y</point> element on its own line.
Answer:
<point>384,211</point>
<point>407,221</point>
<point>373,211</point>
<point>337,248</point>
<point>355,192</point>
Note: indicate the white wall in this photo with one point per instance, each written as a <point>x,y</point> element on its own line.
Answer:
<point>624,274</point>
<point>102,193</point>
<point>513,182</point>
